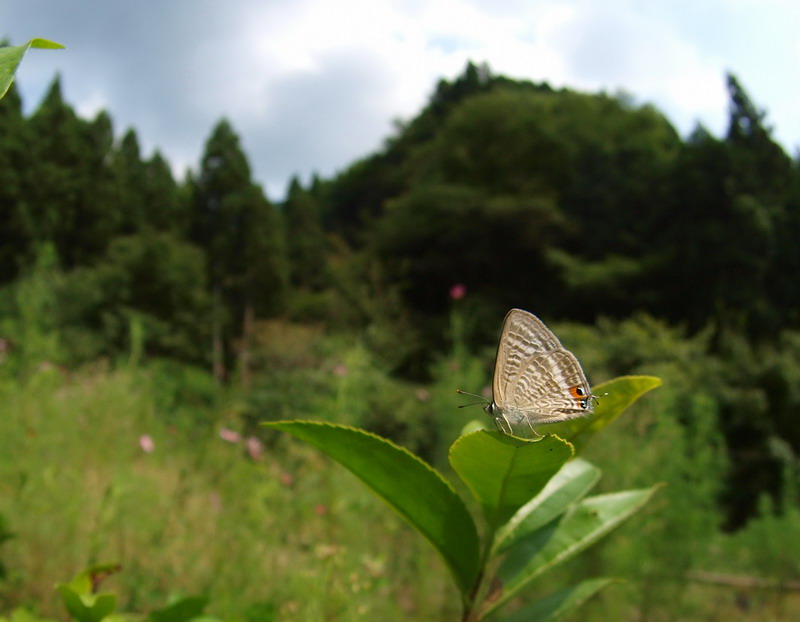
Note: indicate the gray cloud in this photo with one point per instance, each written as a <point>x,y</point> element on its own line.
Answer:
<point>172,69</point>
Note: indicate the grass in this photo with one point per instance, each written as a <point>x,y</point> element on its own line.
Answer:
<point>293,536</point>
<point>289,533</point>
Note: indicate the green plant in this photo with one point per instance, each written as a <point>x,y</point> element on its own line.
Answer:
<point>84,603</point>
<point>11,57</point>
<point>532,493</point>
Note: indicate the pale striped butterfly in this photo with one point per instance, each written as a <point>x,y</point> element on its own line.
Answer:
<point>536,380</point>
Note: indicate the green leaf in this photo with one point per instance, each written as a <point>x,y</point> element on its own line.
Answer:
<point>85,582</point>
<point>45,44</point>
<point>412,487</point>
<point>11,57</point>
<point>622,392</point>
<point>558,604</point>
<point>575,479</point>
<point>559,540</point>
<point>504,472</point>
<point>182,610</point>
<point>86,607</point>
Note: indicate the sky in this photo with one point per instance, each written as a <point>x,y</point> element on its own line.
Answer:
<point>311,86</point>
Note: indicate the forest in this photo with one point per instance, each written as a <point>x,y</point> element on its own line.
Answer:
<point>135,303</point>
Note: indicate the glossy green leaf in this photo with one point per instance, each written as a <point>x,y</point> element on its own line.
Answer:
<point>573,482</point>
<point>11,56</point>
<point>559,540</point>
<point>412,487</point>
<point>504,472</point>
<point>561,603</point>
<point>622,392</point>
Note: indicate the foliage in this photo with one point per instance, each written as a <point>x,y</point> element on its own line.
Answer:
<point>197,514</point>
<point>11,57</point>
<point>305,237</point>
<point>333,304</point>
<point>84,604</point>
<point>244,242</point>
<point>534,511</point>
<point>296,550</point>
<point>152,278</point>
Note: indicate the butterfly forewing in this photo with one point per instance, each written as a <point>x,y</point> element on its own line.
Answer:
<point>524,336</point>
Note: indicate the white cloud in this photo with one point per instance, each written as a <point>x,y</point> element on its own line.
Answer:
<point>311,85</point>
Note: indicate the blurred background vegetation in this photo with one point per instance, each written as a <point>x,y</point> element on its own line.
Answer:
<point>134,306</point>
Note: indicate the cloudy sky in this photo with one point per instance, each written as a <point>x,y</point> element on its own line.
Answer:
<point>311,85</point>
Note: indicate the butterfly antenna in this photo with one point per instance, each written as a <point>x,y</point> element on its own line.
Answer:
<point>596,398</point>
<point>480,397</point>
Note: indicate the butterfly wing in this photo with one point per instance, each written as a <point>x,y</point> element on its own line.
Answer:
<point>551,387</point>
<point>524,336</point>
<point>535,378</point>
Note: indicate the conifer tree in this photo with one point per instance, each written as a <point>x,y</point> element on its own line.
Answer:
<point>14,235</point>
<point>231,221</point>
<point>131,178</point>
<point>165,209</point>
<point>305,239</point>
<point>69,187</point>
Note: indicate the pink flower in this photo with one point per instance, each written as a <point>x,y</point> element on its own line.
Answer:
<point>254,447</point>
<point>340,370</point>
<point>458,291</point>
<point>146,443</point>
<point>229,435</point>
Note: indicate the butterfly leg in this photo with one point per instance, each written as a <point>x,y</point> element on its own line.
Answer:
<point>503,425</point>
<point>530,425</point>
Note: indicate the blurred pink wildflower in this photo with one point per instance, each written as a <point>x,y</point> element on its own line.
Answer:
<point>458,291</point>
<point>229,435</point>
<point>146,443</point>
<point>254,447</point>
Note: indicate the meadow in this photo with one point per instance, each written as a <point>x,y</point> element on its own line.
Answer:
<point>278,531</point>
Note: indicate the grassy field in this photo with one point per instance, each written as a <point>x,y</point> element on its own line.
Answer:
<point>286,534</point>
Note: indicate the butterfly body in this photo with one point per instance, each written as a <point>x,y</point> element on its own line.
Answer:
<point>536,380</point>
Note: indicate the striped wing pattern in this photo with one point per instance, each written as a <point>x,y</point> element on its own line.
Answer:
<point>535,379</point>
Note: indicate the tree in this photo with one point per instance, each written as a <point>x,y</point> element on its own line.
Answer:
<point>305,238</point>
<point>130,176</point>
<point>15,238</point>
<point>760,166</point>
<point>264,271</point>
<point>70,186</point>
<point>165,207</point>
<point>566,193</point>
<point>233,222</point>
<point>151,278</point>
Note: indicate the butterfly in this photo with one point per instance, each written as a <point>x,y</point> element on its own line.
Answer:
<point>536,380</point>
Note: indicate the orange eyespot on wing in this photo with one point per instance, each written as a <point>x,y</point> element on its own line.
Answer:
<point>577,392</point>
